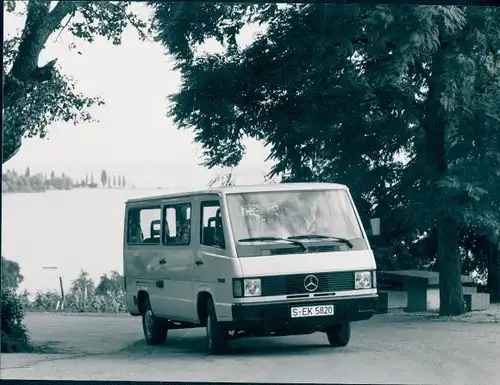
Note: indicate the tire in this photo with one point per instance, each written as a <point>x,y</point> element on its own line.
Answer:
<point>155,329</point>
<point>217,336</point>
<point>339,335</point>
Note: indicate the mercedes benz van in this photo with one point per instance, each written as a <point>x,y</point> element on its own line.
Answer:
<point>267,260</point>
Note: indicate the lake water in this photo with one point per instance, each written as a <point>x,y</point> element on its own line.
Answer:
<point>73,230</point>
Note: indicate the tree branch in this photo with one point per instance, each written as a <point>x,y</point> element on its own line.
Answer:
<point>44,73</point>
<point>142,34</point>
<point>64,26</point>
<point>60,11</point>
<point>40,24</point>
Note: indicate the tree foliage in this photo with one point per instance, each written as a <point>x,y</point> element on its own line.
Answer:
<point>112,284</point>
<point>82,285</point>
<point>14,337</point>
<point>37,96</point>
<point>12,182</point>
<point>222,180</point>
<point>11,274</point>
<point>397,102</point>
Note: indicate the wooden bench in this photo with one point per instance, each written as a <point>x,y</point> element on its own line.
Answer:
<point>477,301</point>
<point>391,300</point>
<point>421,288</point>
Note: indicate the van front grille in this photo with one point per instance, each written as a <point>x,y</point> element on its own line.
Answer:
<point>294,284</point>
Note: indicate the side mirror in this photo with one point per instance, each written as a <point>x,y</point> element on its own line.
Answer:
<point>375,226</point>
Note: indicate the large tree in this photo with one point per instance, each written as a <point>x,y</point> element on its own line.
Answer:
<point>340,92</point>
<point>36,96</point>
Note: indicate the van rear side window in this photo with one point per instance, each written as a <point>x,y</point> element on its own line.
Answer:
<point>177,225</point>
<point>144,226</point>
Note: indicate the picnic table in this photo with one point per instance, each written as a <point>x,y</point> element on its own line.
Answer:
<point>422,289</point>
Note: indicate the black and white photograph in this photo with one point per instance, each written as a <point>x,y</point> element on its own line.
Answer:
<point>251,192</point>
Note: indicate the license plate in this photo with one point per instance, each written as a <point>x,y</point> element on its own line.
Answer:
<point>312,311</point>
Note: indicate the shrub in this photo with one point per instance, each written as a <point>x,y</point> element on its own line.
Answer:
<point>11,274</point>
<point>24,298</point>
<point>111,302</point>
<point>45,301</point>
<point>114,283</point>
<point>14,334</point>
<point>82,296</point>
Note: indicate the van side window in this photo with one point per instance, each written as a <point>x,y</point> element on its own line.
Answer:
<point>143,225</point>
<point>212,233</point>
<point>177,224</point>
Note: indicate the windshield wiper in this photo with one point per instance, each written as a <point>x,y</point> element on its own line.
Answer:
<point>271,239</point>
<point>316,236</point>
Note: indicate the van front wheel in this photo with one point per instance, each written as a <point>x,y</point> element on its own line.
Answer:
<point>339,335</point>
<point>155,328</point>
<point>217,336</point>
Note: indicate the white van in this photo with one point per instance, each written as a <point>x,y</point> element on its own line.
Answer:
<point>266,260</point>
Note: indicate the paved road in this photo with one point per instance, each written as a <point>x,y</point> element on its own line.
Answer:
<point>386,349</point>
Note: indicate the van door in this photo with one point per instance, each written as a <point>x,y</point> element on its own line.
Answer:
<point>214,264</point>
<point>179,266</point>
<point>143,252</point>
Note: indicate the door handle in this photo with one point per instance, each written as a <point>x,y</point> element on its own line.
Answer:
<point>199,262</point>
<point>163,261</point>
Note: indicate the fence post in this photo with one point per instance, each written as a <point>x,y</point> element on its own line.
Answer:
<point>62,292</point>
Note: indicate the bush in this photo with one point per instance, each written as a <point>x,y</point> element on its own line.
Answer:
<point>84,297</point>
<point>111,302</point>
<point>14,334</point>
<point>44,301</point>
<point>11,274</point>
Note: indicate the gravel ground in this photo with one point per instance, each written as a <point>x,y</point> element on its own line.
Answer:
<point>394,348</point>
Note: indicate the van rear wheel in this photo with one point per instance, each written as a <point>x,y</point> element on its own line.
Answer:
<point>217,335</point>
<point>155,329</point>
<point>339,335</point>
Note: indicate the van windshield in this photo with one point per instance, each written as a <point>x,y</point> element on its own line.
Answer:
<point>310,214</point>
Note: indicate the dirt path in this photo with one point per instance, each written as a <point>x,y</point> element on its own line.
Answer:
<point>387,349</point>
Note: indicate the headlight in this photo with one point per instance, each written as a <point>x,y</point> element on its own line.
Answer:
<point>363,280</point>
<point>252,287</point>
<point>246,287</point>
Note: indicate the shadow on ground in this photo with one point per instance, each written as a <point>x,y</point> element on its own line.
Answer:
<point>245,347</point>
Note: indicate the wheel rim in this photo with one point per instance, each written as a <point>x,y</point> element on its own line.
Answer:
<point>148,322</point>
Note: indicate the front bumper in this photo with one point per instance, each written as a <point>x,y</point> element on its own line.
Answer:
<point>276,316</point>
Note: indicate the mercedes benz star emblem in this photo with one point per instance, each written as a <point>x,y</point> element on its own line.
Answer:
<point>311,283</point>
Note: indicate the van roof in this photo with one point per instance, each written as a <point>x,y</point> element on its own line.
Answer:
<point>246,189</point>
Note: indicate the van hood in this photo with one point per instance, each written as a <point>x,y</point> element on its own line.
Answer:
<point>307,263</point>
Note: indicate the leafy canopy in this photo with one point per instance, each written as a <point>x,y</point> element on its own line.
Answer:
<point>36,97</point>
<point>397,102</point>
<point>341,93</point>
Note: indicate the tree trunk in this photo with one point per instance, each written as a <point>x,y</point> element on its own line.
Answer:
<point>494,271</point>
<point>435,127</point>
<point>451,295</point>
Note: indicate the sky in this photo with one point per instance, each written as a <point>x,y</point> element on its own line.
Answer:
<point>133,135</point>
